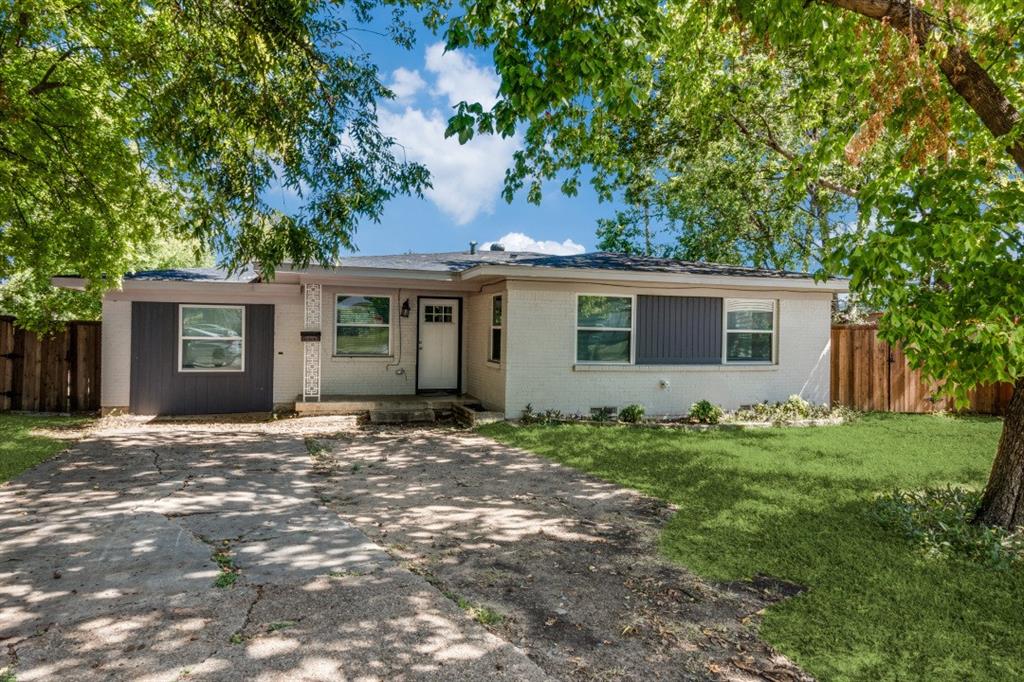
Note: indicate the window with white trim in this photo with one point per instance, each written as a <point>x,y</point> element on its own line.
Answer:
<point>362,325</point>
<point>749,331</point>
<point>604,329</point>
<point>211,338</point>
<point>497,316</point>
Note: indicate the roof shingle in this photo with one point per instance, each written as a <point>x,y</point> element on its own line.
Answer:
<point>461,261</point>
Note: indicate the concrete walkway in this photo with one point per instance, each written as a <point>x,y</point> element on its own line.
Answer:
<point>107,569</point>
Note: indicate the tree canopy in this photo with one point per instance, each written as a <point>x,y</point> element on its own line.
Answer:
<point>121,122</point>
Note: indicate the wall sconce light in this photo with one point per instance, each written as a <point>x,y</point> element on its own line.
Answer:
<point>405,308</point>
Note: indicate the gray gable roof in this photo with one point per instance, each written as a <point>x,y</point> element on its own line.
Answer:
<point>461,261</point>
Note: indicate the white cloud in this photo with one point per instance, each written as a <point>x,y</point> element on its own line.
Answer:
<point>406,82</point>
<point>466,178</point>
<point>517,241</point>
<point>459,78</point>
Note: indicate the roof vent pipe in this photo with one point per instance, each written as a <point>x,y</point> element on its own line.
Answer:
<point>497,247</point>
<point>472,248</point>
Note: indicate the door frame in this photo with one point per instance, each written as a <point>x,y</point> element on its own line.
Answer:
<point>419,307</point>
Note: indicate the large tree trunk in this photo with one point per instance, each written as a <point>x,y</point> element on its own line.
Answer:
<point>1003,503</point>
<point>968,78</point>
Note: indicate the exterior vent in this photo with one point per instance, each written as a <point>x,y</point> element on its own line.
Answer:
<point>497,247</point>
<point>472,248</point>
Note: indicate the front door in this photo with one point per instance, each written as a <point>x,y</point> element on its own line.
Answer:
<point>438,354</point>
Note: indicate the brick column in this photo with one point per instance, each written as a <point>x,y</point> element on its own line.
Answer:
<point>311,342</point>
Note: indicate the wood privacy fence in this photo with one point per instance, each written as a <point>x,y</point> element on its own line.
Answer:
<point>57,372</point>
<point>870,374</point>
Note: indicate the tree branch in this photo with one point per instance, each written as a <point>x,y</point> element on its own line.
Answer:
<point>965,75</point>
<point>45,83</point>
<point>773,144</point>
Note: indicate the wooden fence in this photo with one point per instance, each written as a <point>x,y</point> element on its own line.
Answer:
<point>870,374</point>
<point>57,372</point>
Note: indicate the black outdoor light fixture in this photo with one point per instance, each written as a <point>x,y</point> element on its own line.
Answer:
<point>405,308</point>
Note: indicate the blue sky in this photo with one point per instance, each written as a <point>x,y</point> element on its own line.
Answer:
<point>465,203</point>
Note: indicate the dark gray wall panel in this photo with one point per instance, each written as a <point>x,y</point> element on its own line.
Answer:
<point>157,387</point>
<point>678,330</point>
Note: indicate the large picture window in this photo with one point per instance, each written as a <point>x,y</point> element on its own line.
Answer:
<point>211,338</point>
<point>363,325</point>
<point>604,329</point>
<point>497,315</point>
<point>749,331</point>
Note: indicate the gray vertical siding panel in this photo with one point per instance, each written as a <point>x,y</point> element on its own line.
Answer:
<point>678,330</point>
<point>157,387</point>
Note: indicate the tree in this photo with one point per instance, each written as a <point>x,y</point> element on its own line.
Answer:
<point>29,296</point>
<point>706,183</point>
<point>122,121</point>
<point>935,87</point>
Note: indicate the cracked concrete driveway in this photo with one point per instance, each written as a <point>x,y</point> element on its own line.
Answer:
<point>107,569</point>
<point>356,554</point>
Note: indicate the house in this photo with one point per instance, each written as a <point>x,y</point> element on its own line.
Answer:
<point>572,333</point>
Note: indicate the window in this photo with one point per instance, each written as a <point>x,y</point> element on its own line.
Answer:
<point>604,329</point>
<point>749,331</point>
<point>211,338</point>
<point>438,313</point>
<point>496,322</point>
<point>362,325</point>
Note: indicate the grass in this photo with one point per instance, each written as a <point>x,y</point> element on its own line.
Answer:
<point>478,612</point>
<point>228,571</point>
<point>21,448</point>
<point>795,503</point>
<point>281,625</point>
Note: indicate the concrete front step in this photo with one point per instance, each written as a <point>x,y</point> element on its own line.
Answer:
<point>402,416</point>
<point>331,404</point>
<point>474,415</point>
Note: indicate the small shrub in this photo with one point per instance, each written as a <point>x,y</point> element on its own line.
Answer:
<point>530,416</point>
<point>551,416</point>
<point>793,409</point>
<point>706,412</point>
<point>632,414</point>
<point>602,414</point>
<point>938,521</point>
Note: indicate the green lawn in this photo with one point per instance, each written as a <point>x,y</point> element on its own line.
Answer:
<point>21,448</point>
<point>795,503</point>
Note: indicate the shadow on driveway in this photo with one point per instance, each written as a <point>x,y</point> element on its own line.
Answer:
<point>564,565</point>
<point>107,570</point>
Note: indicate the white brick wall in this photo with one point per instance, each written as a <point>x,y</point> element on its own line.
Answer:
<point>541,330</point>
<point>485,380</point>
<point>393,375</point>
<point>538,367</point>
<point>116,354</point>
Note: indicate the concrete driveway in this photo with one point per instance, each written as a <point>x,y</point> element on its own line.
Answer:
<point>350,554</point>
<point>107,569</point>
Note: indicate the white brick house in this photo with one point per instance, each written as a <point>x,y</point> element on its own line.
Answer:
<point>572,333</point>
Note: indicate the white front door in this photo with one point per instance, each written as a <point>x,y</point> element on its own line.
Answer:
<point>438,356</point>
